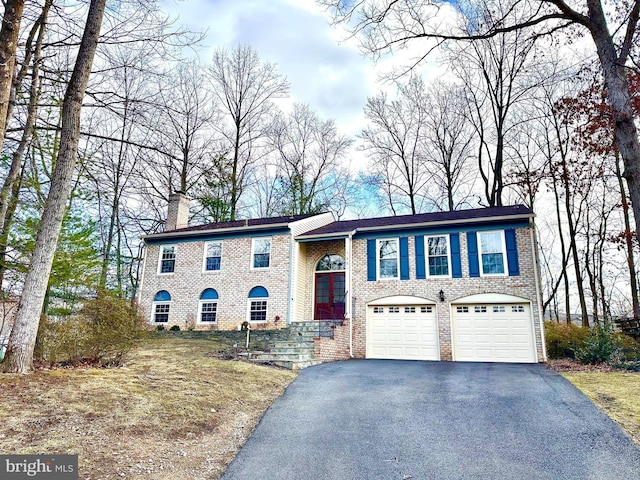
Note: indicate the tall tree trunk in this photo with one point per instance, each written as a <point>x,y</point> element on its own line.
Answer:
<point>615,80</point>
<point>631,263</point>
<point>8,46</point>
<point>18,154</point>
<point>19,356</point>
<point>6,226</point>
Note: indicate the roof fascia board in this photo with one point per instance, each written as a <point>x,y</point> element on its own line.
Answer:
<point>215,231</point>
<point>421,225</point>
<point>273,229</point>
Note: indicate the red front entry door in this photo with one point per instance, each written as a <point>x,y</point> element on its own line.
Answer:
<point>329,303</point>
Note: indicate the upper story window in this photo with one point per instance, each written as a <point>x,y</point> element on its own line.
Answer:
<point>212,256</point>
<point>438,255</point>
<point>493,253</point>
<point>261,253</point>
<point>161,306</point>
<point>167,262</point>
<point>388,258</point>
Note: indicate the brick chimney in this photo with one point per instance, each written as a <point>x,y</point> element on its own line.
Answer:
<point>178,211</point>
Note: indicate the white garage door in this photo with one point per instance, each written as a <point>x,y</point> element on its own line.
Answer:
<point>403,332</point>
<point>493,333</point>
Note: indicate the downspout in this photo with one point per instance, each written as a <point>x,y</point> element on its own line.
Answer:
<point>291,273</point>
<point>536,275</point>
<point>349,285</point>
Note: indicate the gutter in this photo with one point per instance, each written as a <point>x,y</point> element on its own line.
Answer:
<point>417,225</point>
<point>188,233</point>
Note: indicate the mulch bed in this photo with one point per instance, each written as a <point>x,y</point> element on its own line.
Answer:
<point>568,365</point>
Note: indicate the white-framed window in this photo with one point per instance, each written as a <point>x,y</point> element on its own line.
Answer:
<point>257,305</point>
<point>167,260</point>
<point>493,254</point>
<point>388,258</point>
<point>426,309</point>
<point>261,253</point>
<point>208,306</point>
<point>438,256</point>
<point>160,307</point>
<point>212,256</point>
<point>464,309</point>
<point>409,309</point>
<point>378,309</point>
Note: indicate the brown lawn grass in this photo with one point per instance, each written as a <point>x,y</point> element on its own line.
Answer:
<point>170,412</point>
<point>616,393</point>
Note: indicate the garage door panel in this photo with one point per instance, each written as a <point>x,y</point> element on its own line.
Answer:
<point>402,332</point>
<point>493,333</point>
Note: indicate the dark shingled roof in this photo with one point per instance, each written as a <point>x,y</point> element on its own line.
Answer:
<point>347,226</point>
<point>252,222</point>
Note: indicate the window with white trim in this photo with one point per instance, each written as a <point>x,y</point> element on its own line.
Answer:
<point>438,256</point>
<point>261,253</point>
<point>493,253</point>
<point>208,306</point>
<point>160,307</point>
<point>388,258</point>
<point>462,309</point>
<point>517,308</point>
<point>409,309</point>
<point>167,262</point>
<point>426,309</point>
<point>257,308</point>
<point>499,309</point>
<point>212,256</point>
<point>394,309</point>
<point>378,309</point>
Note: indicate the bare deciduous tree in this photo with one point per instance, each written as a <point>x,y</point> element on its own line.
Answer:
<point>245,87</point>
<point>388,25</point>
<point>394,142</point>
<point>19,356</point>
<point>310,152</point>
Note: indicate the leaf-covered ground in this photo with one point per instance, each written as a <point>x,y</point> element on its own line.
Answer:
<point>173,411</point>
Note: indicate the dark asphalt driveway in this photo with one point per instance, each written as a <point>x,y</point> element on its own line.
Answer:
<point>386,419</point>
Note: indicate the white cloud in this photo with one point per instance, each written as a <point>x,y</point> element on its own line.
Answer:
<point>332,77</point>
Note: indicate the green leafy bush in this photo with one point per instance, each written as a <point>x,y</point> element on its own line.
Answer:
<point>160,328</point>
<point>175,328</point>
<point>601,346</point>
<point>104,331</point>
<point>564,339</point>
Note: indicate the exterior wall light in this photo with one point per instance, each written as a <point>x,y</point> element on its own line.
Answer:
<point>441,294</point>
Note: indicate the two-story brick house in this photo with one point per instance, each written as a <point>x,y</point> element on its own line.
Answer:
<point>459,285</point>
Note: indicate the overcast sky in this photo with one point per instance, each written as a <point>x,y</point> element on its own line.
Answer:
<point>324,70</point>
<point>331,76</point>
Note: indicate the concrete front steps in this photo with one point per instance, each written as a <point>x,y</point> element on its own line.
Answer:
<point>298,351</point>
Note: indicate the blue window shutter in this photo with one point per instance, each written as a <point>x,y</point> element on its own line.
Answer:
<point>472,250</point>
<point>456,262</point>
<point>404,258</point>
<point>371,260</point>
<point>512,252</point>
<point>420,265</point>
